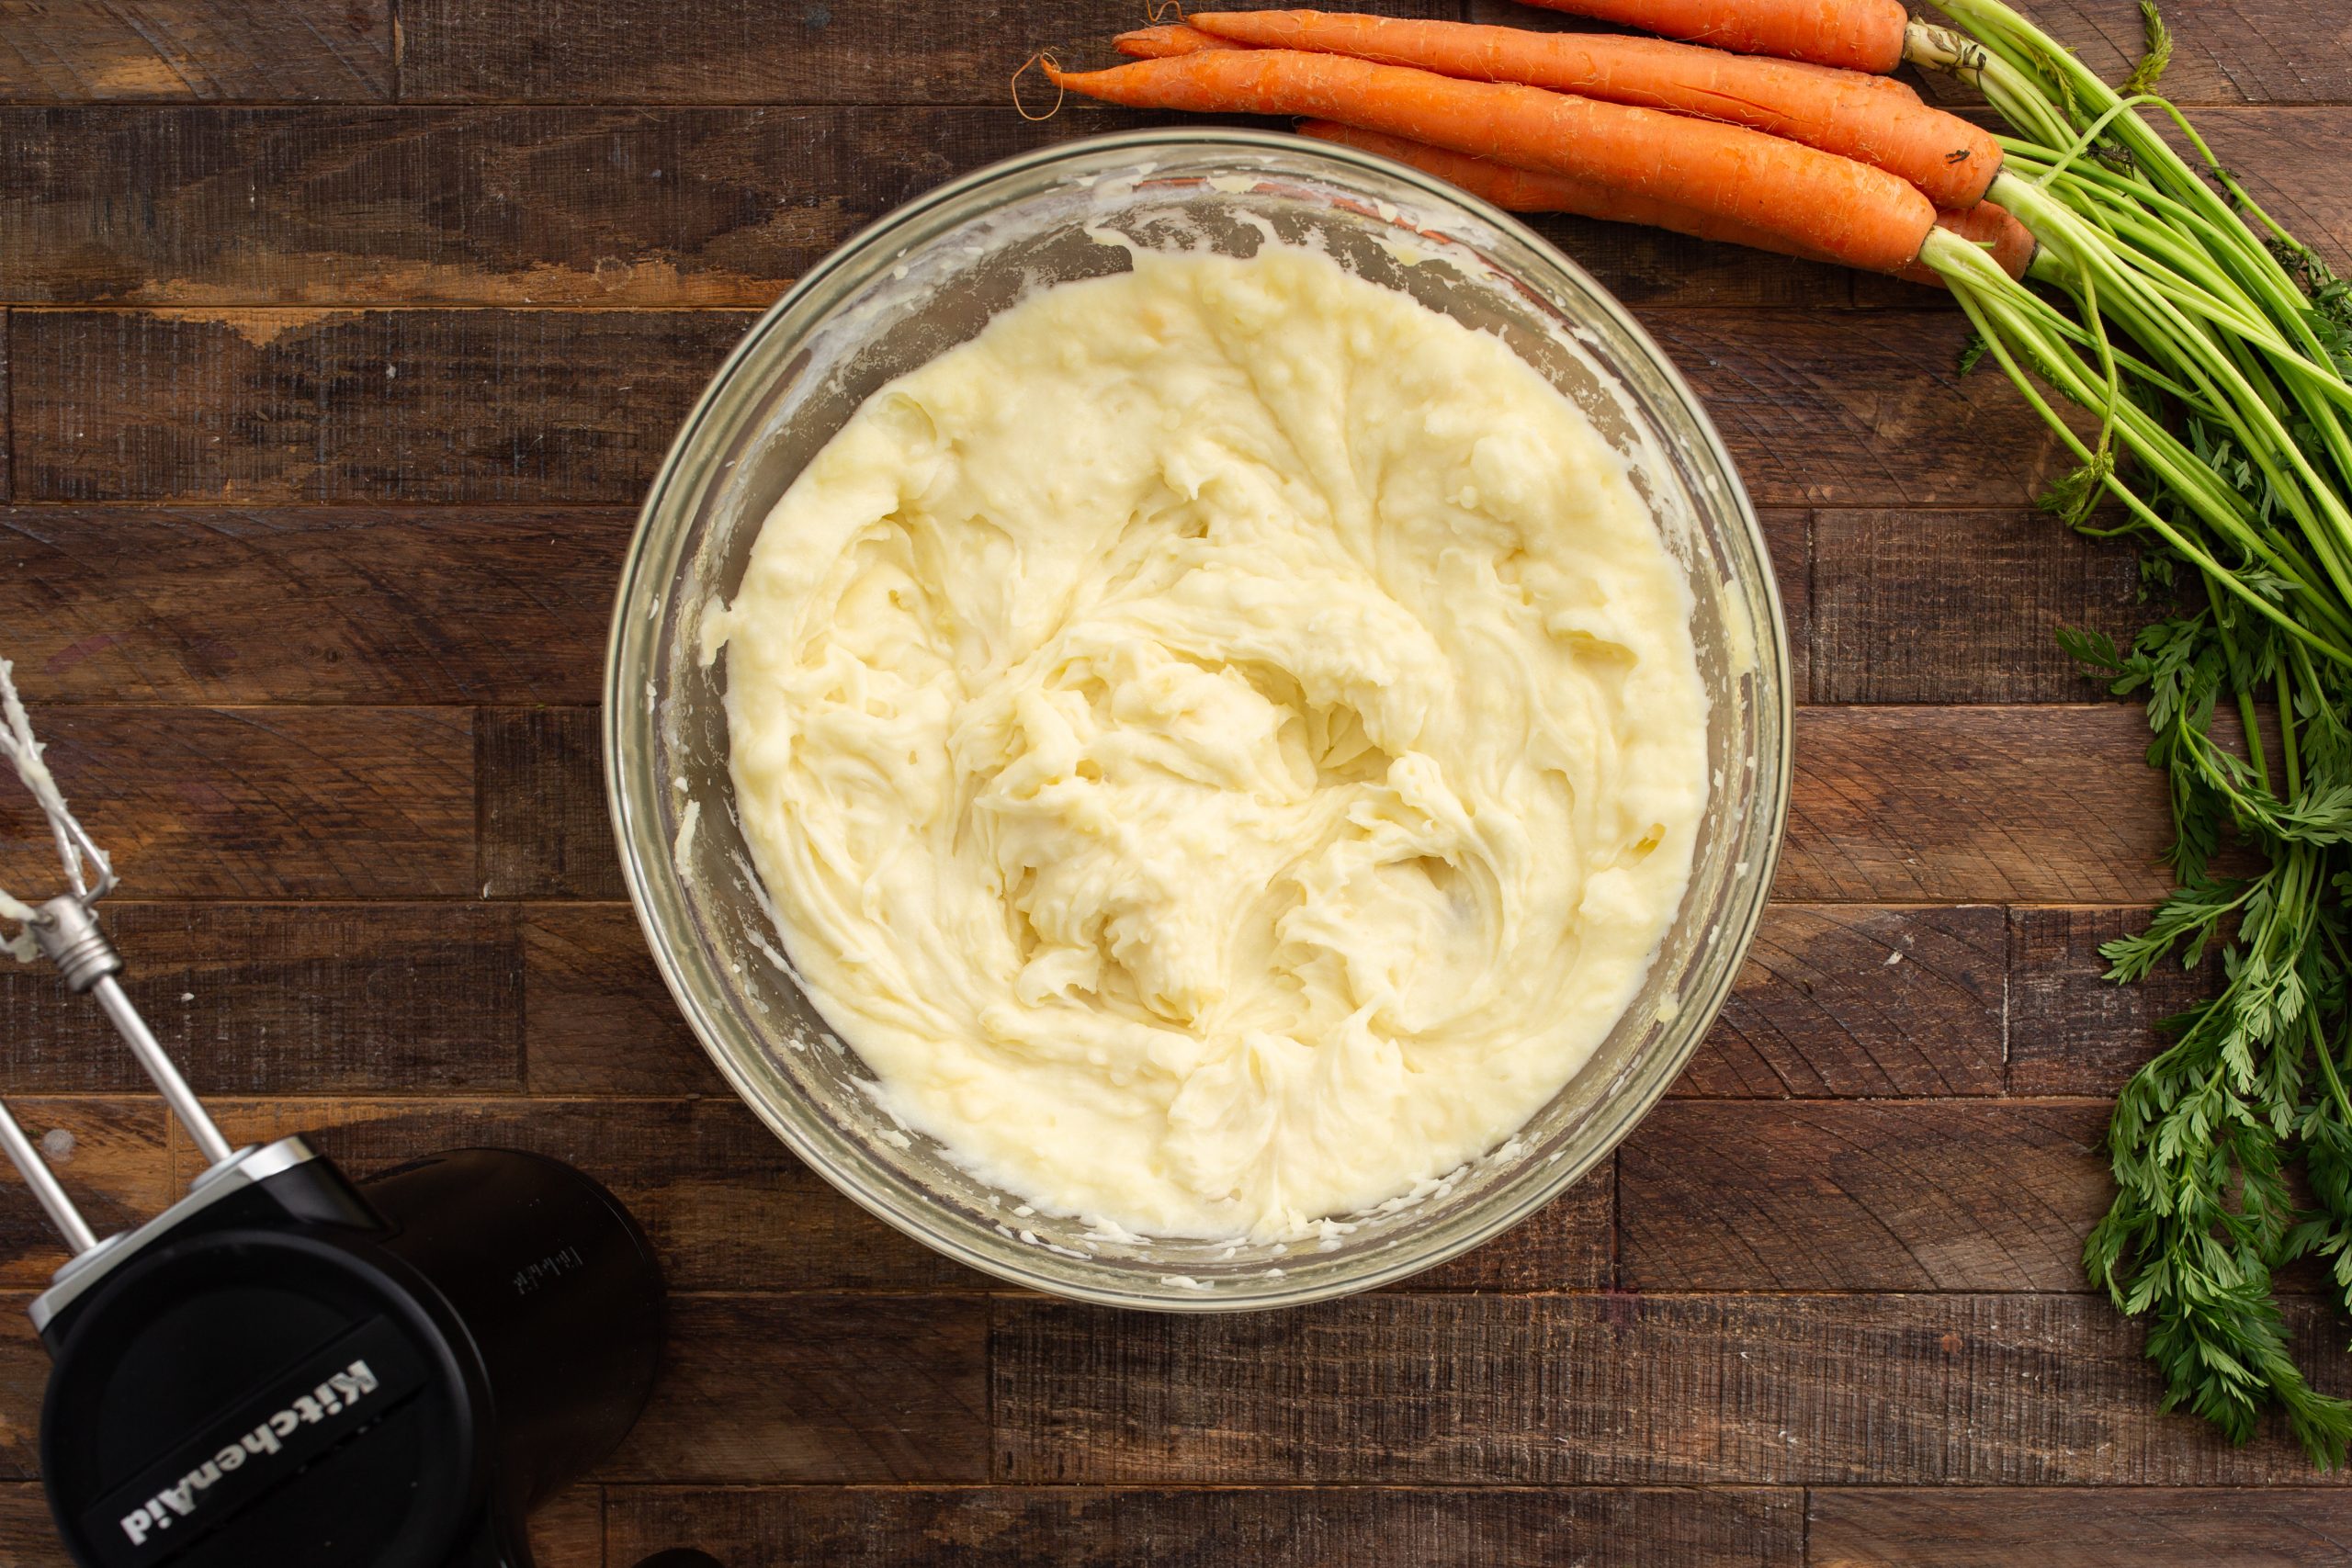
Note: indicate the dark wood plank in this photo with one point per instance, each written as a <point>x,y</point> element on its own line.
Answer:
<point>148,49</point>
<point>1974,804</point>
<point>735,51</point>
<point>771,1389</point>
<point>2033,1390</point>
<point>2287,159</point>
<point>656,206</point>
<point>597,1019</point>
<point>1917,1195</point>
<point>314,605</point>
<point>2224,52</point>
<point>1962,606</point>
<point>259,803</point>
<point>113,1157</point>
<point>283,998</point>
<point>2071,1029</point>
<point>1852,1000</point>
<point>2073,1528</point>
<point>1825,408</point>
<point>299,405</point>
<point>446,406</point>
<point>728,1206</point>
<point>24,1374</point>
<point>497,207</point>
<point>1291,1527</point>
<point>568,1530</point>
<point>1568,1244</point>
<point>28,1540</point>
<point>543,830</point>
<point>1279,1526</point>
<point>1062,1526</point>
<point>727,51</point>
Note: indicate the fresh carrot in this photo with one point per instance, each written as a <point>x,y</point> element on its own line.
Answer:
<point>1949,160</point>
<point>1859,35</point>
<point>1530,190</point>
<point>1526,190</point>
<point>1168,41</point>
<point>1158,42</point>
<point>1817,202</point>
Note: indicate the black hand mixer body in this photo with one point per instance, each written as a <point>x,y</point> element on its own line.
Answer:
<point>287,1368</point>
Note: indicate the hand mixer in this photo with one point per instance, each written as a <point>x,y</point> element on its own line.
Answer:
<point>289,1367</point>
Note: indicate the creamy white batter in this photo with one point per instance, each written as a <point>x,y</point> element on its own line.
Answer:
<point>1225,743</point>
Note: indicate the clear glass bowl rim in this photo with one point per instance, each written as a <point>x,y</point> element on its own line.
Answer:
<point>655,886</point>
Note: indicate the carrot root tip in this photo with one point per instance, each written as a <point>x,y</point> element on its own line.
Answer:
<point>1043,60</point>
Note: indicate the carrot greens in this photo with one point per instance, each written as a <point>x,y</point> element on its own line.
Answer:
<point>2212,350</point>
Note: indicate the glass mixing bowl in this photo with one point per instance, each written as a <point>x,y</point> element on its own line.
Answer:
<point>926,278</point>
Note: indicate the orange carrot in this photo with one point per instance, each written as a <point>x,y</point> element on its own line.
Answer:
<point>1949,160</point>
<point>1525,191</point>
<point>1166,41</point>
<point>1815,200</point>
<point>1861,35</point>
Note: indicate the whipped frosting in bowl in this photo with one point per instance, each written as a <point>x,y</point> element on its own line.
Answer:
<point>1350,789</point>
<point>1224,743</point>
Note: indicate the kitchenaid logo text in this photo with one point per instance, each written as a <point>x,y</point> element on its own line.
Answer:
<point>332,1398</point>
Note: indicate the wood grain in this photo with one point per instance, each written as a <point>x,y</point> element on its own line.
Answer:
<point>728,1206</point>
<point>24,1374</point>
<point>1955,1390</point>
<point>501,207</point>
<point>549,206</point>
<point>597,1019</point>
<point>312,605</point>
<point>305,405</point>
<point>771,1389</point>
<point>2284,158</point>
<point>2277,1526</point>
<point>1962,606</point>
<point>543,830</point>
<point>1920,1195</point>
<point>1280,1527</point>
<point>454,406</point>
<point>259,803</point>
<point>1974,804</point>
<point>2071,1029</point>
<point>283,998</point>
<point>1567,1244</point>
<point>146,50</point>
<point>869,51</point>
<point>2224,52</point>
<point>1843,1000</point>
<point>26,1538</point>
<point>974,1527</point>
<point>1833,409</point>
<point>112,1156</point>
<point>568,1530</point>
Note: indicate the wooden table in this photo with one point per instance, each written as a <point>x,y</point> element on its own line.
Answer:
<point>341,339</point>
